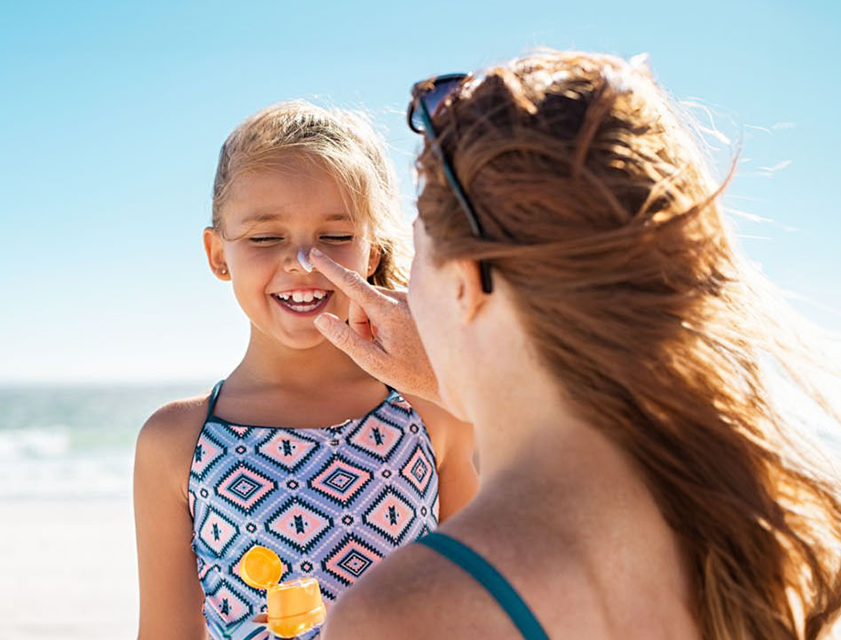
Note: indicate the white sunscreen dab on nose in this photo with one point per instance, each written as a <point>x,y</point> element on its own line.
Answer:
<point>304,260</point>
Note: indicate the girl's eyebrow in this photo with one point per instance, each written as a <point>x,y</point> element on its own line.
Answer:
<point>264,217</point>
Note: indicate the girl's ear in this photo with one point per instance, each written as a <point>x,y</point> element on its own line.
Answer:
<point>215,250</point>
<point>374,258</point>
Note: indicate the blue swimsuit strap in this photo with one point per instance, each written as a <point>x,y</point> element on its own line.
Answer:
<point>491,579</point>
<point>214,396</point>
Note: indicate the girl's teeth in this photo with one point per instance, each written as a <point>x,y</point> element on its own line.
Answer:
<point>304,296</point>
<point>303,302</point>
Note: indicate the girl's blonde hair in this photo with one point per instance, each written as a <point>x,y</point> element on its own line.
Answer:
<point>339,141</point>
<point>600,213</point>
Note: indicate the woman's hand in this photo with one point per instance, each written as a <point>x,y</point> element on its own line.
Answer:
<point>381,336</point>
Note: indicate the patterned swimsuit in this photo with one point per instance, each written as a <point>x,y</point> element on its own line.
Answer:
<point>330,501</point>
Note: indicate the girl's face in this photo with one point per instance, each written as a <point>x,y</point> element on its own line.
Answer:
<point>267,219</point>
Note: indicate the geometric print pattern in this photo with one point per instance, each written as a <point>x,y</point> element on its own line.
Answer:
<point>331,502</point>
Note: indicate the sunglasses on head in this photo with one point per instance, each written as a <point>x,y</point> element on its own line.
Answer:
<point>427,96</point>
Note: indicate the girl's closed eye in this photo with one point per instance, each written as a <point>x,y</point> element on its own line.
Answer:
<point>346,238</point>
<point>265,239</point>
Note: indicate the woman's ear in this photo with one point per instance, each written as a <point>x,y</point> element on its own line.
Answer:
<point>469,295</point>
<point>215,250</point>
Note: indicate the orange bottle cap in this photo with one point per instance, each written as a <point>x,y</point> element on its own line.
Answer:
<point>260,567</point>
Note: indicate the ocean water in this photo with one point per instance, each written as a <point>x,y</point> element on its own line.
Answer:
<point>75,441</point>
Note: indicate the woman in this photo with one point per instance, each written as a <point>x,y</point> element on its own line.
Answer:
<point>581,303</point>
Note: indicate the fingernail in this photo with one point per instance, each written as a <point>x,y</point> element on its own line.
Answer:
<point>315,252</point>
<point>321,322</point>
<point>304,260</point>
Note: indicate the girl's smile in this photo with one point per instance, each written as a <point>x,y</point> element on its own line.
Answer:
<point>303,302</point>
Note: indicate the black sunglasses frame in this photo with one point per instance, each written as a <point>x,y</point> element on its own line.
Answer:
<point>418,106</point>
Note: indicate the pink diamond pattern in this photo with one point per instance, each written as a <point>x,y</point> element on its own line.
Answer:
<point>350,560</point>
<point>217,532</point>
<point>376,436</point>
<point>391,515</point>
<point>340,480</point>
<point>418,471</point>
<point>228,604</point>
<point>244,487</point>
<point>288,451</point>
<point>299,524</point>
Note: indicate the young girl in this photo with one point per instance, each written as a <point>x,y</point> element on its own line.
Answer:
<point>298,449</point>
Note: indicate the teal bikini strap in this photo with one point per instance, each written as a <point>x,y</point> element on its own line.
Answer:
<point>491,579</point>
<point>214,396</point>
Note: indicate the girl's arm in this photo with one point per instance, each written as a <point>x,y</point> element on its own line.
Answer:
<point>454,443</point>
<point>170,594</point>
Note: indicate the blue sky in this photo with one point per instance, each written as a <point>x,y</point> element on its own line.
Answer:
<point>112,115</point>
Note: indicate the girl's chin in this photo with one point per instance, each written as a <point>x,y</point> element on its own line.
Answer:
<point>302,338</point>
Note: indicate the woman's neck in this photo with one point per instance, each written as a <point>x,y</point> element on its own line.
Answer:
<point>542,466</point>
<point>527,430</point>
<point>521,424</point>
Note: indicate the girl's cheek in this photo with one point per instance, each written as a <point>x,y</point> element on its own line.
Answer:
<point>350,256</point>
<point>339,252</point>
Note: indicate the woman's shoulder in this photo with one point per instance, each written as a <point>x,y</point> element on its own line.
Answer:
<point>417,593</point>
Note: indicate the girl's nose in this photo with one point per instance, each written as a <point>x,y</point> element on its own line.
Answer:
<point>297,260</point>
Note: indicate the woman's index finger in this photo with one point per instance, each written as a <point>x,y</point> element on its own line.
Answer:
<point>350,282</point>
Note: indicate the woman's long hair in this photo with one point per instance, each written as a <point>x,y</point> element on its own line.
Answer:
<point>601,214</point>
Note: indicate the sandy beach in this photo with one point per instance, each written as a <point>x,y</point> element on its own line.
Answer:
<point>68,569</point>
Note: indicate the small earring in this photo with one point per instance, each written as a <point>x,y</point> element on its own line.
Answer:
<point>223,271</point>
